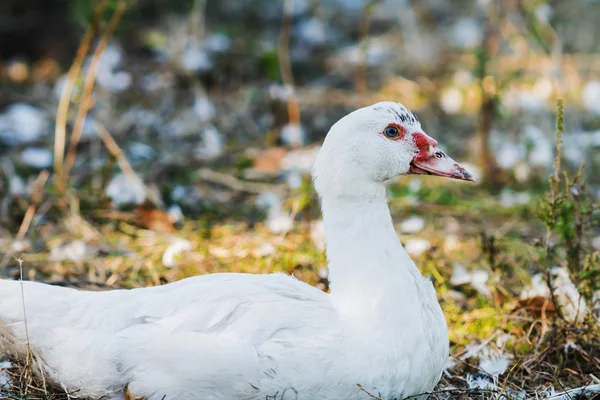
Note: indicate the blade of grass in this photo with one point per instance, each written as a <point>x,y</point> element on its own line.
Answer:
<point>116,151</point>
<point>60,128</point>
<point>88,87</point>
<point>36,198</point>
<point>284,62</point>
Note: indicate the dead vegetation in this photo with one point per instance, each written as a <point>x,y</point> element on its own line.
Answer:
<point>545,350</point>
<point>504,344</point>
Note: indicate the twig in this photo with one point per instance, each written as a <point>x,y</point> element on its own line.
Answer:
<point>531,24</point>
<point>361,387</point>
<point>88,87</point>
<point>577,391</point>
<point>10,396</point>
<point>25,223</point>
<point>559,132</point>
<point>36,190</point>
<point>553,294</point>
<point>28,354</point>
<point>563,388</point>
<point>35,198</point>
<point>60,128</point>
<point>363,32</point>
<point>554,181</point>
<point>116,151</point>
<point>20,261</point>
<point>487,114</point>
<point>461,355</point>
<point>284,62</point>
<point>196,22</point>
<point>233,183</point>
<point>457,391</point>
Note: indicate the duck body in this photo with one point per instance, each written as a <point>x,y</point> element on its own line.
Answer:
<point>228,336</point>
<point>379,332</point>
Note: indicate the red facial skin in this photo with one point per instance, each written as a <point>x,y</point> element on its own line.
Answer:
<point>423,143</point>
<point>437,163</point>
<point>426,163</point>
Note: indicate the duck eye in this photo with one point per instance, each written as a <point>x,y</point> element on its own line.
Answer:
<point>391,132</point>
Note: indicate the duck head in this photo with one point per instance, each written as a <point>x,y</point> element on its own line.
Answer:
<point>376,143</point>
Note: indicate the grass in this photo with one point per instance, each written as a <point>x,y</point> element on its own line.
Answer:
<point>464,225</point>
<point>121,254</point>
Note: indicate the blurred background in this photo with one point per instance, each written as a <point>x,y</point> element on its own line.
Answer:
<point>145,141</point>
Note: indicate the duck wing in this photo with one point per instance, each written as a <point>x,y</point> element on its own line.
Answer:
<point>98,342</point>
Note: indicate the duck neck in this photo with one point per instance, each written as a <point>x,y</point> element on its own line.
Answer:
<point>368,267</point>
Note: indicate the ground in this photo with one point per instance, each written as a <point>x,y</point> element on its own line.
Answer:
<point>488,322</point>
<point>203,120</point>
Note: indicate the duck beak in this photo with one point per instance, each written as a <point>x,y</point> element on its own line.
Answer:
<point>436,162</point>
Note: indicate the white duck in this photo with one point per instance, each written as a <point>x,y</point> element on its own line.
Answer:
<point>241,336</point>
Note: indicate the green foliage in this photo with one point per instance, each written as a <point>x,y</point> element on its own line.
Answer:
<point>567,211</point>
<point>243,163</point>
<point>442,196</point>
<point>590,273</point>
<point>82,11</point>
<point>306,194</point>
<point>304,198</point>
<point>269,65</point>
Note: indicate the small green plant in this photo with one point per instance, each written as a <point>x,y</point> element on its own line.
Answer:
<point>567,211</point>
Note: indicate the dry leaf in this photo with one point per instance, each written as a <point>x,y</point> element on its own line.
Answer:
<point>270,160</point>
<point>538,306</point>
<point>152,218</point>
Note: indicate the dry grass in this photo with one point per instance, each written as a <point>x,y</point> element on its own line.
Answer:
<point>88,86</point>
<point>545,351</point>
<point>125,249</point>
